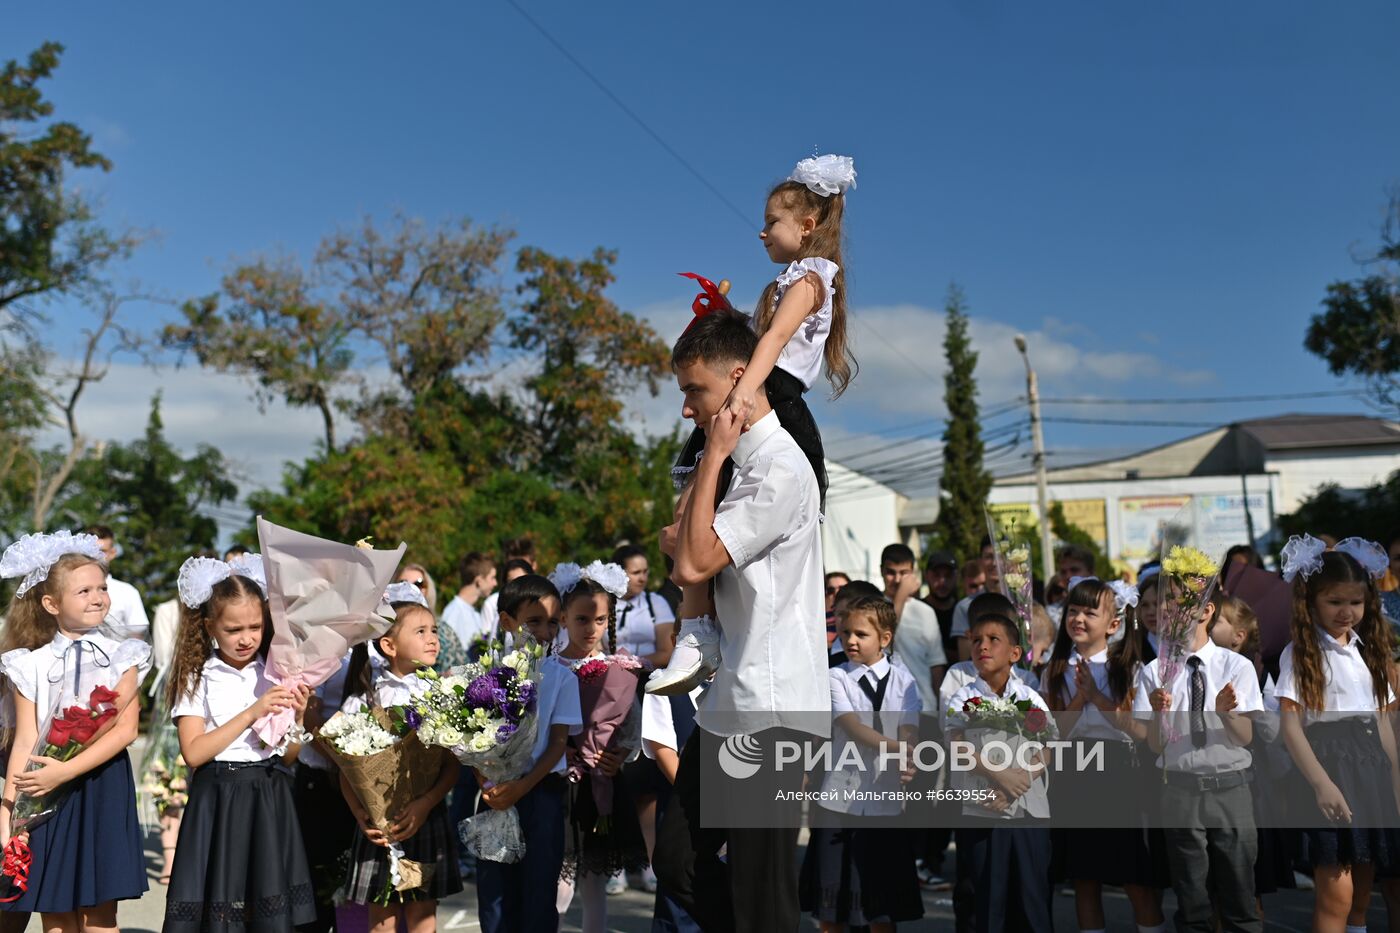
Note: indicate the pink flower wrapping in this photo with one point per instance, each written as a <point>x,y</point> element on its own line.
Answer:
<point>606,699</point>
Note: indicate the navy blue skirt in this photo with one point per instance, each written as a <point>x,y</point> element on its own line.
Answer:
<point>89,852</point>
<point>1350,751</point>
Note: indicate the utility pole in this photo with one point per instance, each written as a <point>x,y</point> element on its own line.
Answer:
<point>1047,556</point>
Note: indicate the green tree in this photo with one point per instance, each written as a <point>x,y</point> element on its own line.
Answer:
<point>1358,332</point>
<point>964,485</point>
<point>1372,513</point>
<point>154,498</point>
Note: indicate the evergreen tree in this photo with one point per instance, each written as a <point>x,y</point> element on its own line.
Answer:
<point>964,485</point>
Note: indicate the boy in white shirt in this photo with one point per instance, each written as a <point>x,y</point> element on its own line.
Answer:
<point>478,574</point>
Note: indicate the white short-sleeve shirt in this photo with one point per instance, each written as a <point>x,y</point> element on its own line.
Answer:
<point>464,619</point>
<point>389,690</point>
<point>221,694</point>
<point>1092,722</point>
<point>637,619</point>
<point>770,599</point>
<point>65,671</point>
<point>1221,752</point>
<point>900,708</point>
<point>1034,802</point>
<point>965,672</point>
<point>919,644</point>
<point>659,722</point>
<point>126,618</point>
<point>1346,687</point>
<point>804,353</point>
<point>558,705</point>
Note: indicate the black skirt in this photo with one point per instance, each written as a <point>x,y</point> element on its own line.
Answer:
<point>1351,753</point>
<point>859,875</point>
<point>587,851</point>
<point>1127,852</point>
<point>239,863</point>
<point>785,395</point>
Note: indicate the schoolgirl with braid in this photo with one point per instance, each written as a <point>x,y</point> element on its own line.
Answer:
<point>1333,684</point>
<point>597,842</point>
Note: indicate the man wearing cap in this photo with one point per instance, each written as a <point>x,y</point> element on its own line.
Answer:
<point>941,576</point>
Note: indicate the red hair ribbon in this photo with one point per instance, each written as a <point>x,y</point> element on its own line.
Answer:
<point>709,300</point>
<point>17,860</point>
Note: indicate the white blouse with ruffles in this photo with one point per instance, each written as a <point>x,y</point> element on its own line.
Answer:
<point>803,355</point>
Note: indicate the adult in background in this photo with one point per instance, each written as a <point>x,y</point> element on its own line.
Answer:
<point>941,578</point>
<point>644,625</point>
<point>516,553</point>
<point>762,546</point>
<point>478,576</point>
<point>127,616</point>
<point>991,583</point>
<point>835,581</point>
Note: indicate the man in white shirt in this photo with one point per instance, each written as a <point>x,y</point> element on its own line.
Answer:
<point>762,546</point>
<point>992,584</point>
<point>478,574</point>
<point>127,616</point>
<point>918,642</point>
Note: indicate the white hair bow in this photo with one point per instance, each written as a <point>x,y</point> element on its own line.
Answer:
<point>1124,594</point>
<point>1368,554</point>
<point>826,174</point>
<point>405,592</point>
<point>1302,555</point>
<point>565,577</point>
<point>199,575</point>
<point>32,556</point>
<point>610,577</point>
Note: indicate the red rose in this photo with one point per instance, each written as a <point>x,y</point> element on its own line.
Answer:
<point>104,717</point>
<point>60,732</point>
<point>1035,720</point>
<point>971,705</point>
<point>83,730</point>
<point>75,713</point>
<point>101,696</point>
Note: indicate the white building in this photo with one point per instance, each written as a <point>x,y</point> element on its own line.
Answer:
<point>862,516</point>
<point>1223,482</point>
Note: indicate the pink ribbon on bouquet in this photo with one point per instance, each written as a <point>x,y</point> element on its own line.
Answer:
<point>324,597</point>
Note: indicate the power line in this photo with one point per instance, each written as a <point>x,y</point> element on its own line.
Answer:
<point>1136,423</point>
<point>1207,400</point>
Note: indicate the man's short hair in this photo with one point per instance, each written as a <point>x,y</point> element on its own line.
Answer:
<point>985,604</point>
<point>100,532</point>
<point>719,338</point>
<point>518,548</point>
<point>1077,552</point>
<point>895,554</point>
<point>855,590</point>
<point>531,588</point>
<point>474,565</point>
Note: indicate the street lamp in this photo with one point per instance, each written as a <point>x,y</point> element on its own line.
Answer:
<point>1047,557</point>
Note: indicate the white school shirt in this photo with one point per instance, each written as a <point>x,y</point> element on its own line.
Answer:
<point>1220,667</point>
<point>491,614</point>
<point>1092,722</point>
<point>1035,802</point>
<point>658,723</point>
<point>770,597</point>
<point>557,705</point>
<point>804,353</point>
<point>464,619</point>
<point>126,617</point>
<point>389,690</point>
<point>64,671</point>
<point>959,626</point>
<point>1346,684</point>
<point>165,625</point>
<point>221,694</point>
<point>900,707</point>
<point>965,672</point>
<point>637,619</point>
<point>919,644</point>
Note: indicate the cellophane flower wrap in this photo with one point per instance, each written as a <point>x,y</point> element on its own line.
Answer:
<point>487,714</point>
<point>607,693</point>
<point>385,764</point>
<point>1188,581</point>
<point>1011,722</point>
<point>324,597</point>
<point>1013,557</point>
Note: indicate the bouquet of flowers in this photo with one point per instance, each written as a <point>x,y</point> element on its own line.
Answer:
<point>166,784</point>
<point>388,768</point>
<point>1014,723</point>
<point>607,689</point>
<point>485,714</point>
<point>64,733</point>
<point>1014,568</point>
<point>1188,580</point>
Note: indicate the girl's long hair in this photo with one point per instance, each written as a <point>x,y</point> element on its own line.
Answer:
<point>825,243</point>
<point>1337,569</point>
<point>194,640</point>
<point>29,625</point>
<point>1124,655</point>
<point>586,587</point>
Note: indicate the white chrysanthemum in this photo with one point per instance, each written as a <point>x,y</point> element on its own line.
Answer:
<point>482,742</point>
<point>447,736</point>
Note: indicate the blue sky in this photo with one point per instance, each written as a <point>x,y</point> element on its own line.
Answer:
<point>1156,194</point>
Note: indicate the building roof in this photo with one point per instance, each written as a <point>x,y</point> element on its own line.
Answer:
<point>1244,446</point>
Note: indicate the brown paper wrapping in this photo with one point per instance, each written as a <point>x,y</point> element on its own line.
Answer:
<point>388,781</point>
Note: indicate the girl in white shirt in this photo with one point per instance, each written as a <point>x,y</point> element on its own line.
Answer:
<point>864,875</point>
<point>422,829</point>
<point>1333,681</point>
<point>1089,683</point>
<point>87,854</point>
<point>239,861</point>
